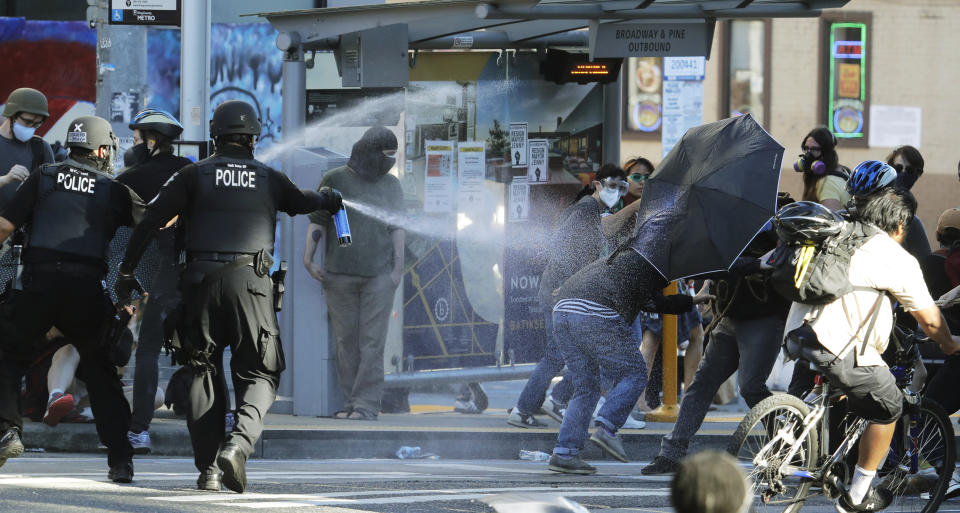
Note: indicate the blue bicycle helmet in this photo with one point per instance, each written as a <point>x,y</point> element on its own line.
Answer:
<point>870,176</point>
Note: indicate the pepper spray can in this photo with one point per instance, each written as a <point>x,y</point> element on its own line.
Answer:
<point>342,225</point>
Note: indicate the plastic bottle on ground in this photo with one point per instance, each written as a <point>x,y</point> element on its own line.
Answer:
<point>533,455</point>
<point>407,452</point>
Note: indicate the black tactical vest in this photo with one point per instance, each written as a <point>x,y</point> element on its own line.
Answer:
<point>233,210</point>
<point>72,212</point>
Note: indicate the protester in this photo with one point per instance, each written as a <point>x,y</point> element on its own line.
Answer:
<point>908,163</point>
<point>710,482</point>
<point>21,151</point>
<point>824,180</point>
<point>592,317</point>
<point>359,280</point>
<point>577,241</point>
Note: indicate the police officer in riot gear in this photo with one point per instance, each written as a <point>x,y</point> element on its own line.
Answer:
<point>228,204</point>
<point>71,211</point>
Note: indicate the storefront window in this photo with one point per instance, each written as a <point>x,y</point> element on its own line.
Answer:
<point>746,70</point>
<point>644,84</point>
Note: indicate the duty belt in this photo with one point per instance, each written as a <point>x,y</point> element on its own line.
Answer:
<point>66,267</point>
<point>214,256</point>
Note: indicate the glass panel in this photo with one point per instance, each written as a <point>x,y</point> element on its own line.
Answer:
<point>746,68</point>
<point>644,88</point>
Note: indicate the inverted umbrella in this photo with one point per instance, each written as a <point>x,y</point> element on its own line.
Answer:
<point>708,198</point>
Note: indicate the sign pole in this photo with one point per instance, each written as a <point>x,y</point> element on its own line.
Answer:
<point>668,411</point>
<point>195,70</point>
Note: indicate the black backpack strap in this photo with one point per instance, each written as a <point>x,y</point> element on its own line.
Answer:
<point>873,321</point>
<point>840,174</point>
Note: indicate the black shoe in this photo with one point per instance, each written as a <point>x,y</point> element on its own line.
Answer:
<point>121,472</point>
<point>876,499</point>
<point>660,465</point>
<point>209,480</point>
<point>10,445</point>
<point>553,409</point>
<point>523,420</point>
<point>232,462</point>
<point>570,465</point>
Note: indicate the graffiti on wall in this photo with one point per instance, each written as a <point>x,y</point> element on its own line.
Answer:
<point>244,65</point>
<point>56,57</point>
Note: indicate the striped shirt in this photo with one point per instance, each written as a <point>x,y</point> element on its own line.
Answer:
<point>585,307</point>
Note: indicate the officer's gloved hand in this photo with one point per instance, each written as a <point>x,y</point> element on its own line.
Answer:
<point>126,284</point>
<point>332,199</point>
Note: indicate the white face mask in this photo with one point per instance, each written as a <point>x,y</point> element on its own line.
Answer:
<point>609,196</point>
<point>23,133</point>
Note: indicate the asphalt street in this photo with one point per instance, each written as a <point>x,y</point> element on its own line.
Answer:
<point>78,483</point>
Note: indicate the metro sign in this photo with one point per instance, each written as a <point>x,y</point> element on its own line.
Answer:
<point>848,49</point>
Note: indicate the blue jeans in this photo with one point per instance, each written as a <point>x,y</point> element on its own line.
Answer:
<point>535,391</point>
<point>589,343</point>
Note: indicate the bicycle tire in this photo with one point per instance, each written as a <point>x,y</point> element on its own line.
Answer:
<point>753,434</point>
<point>923,491</point>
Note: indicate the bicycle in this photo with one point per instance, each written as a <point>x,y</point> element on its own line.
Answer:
<point>784,444</point>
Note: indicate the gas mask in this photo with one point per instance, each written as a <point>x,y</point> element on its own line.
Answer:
<point>808,162</point>
<point>23,133</point>
<point>611,189</point>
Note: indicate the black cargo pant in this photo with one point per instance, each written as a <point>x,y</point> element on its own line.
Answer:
<point>79,307</point>
<point>229,307</point>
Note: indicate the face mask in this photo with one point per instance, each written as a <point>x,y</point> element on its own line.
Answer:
<point>23,133</point>
<point>386,164</point>
<point>135,154</point>
<point>906,180</point>
<point>609,197</point>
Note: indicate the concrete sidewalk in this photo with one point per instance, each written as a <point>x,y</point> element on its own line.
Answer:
<point>436,429</point>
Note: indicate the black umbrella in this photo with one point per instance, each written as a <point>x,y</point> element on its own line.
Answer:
<point>708,198</point>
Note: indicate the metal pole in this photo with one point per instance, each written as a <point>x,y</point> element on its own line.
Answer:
<point>667,412</point>
<point>612,117</point>
<point>195,69</point>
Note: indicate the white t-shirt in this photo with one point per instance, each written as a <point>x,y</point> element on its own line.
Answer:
<point>879,264</point>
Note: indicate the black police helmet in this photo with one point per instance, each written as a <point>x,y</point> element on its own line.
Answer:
<point>234,117</point>
<point>806,222</point>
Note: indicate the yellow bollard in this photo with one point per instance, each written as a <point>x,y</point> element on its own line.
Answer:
<point>668,410</point>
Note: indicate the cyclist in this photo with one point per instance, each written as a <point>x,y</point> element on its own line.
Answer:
<point>845,338</point>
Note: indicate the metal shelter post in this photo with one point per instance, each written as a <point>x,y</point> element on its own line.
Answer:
<point>195,69</point>
<point>612,118</point>
<point>668,411</point>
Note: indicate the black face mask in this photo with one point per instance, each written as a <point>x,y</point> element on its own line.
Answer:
<point>386,164</point>
<point>136,154</point>
<point>906,180</point>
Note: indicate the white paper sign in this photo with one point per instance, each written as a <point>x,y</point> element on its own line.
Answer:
<point>538,170</point>
<point>892,126</point>
<point>518,206</point>
<point>471,170</point>
<point>682,110</point>
<point>518,144</point>
<point>438,179</point>
<point>684,68</point>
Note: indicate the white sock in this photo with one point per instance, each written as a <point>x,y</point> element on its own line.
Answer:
<point>56,391</point>
<point>861,483</point>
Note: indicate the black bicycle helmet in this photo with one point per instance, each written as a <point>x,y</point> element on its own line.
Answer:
<point>157,121</point>
<point>806,222</point>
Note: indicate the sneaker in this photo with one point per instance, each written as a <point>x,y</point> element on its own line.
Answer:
<point>523,420</point>
<point>59,405</point>
<point>121,472</point>
<point>553,409</point>
<point>571,464</point>
<point>876,499</point>
<point>139,441</point>
<point>610,443</point>
<point>10,445</point>
<point>633,423</point>
<point>954,489</point>
<point>659,466</point>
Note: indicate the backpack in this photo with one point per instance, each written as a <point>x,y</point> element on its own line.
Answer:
<point>818,274</point>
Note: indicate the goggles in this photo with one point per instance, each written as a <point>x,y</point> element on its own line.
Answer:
<point>31,123</point>
<point>908,169</point>
<point>616,184</point>
<point>638,177</point>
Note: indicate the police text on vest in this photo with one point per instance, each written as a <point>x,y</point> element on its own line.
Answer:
<point>243,178</point>
<point>76,182</point>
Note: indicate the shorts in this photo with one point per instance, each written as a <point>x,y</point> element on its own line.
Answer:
<point>871,390</point>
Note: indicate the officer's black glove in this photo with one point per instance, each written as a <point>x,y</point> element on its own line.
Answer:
<point>332,200</point>
<point>126,284</point>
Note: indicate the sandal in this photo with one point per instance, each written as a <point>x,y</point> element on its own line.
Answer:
<point>343,414</point>
<point>362,414</point>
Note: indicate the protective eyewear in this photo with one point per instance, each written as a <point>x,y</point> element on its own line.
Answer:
<point>613,183</point>
<point>639,177</point>
<point>30,123</point>
<point>900,168</point>
<point>390,153</point>
<point>811,148</point>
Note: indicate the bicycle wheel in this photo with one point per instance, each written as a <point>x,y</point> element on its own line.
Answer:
<point>762,443</point>
<point>920,463</point>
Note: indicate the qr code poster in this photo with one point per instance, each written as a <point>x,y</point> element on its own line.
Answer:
<point>537,167</point>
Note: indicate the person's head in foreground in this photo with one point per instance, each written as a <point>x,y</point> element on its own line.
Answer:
<point>709,482</point>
